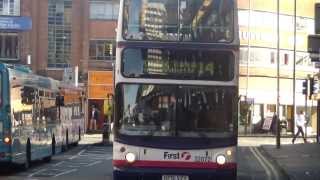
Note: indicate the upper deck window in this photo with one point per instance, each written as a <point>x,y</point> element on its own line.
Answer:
<point>178,64</point>
<point>178,20</point>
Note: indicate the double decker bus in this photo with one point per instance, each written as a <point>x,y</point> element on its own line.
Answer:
<point>36,121</point>
<point>176,90</point>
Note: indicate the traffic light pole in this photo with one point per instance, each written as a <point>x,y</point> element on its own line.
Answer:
<point>305,114</point>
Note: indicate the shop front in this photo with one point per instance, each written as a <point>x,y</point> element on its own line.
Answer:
<point>100,94</point>
<point>258,107</point>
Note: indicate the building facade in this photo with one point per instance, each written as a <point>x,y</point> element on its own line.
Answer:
<point>258,64</point>
<point>81,33</point>
<point>68,34</point>
<point>13,24</point>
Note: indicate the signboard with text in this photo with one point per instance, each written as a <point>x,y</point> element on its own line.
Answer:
<point>18,23</point>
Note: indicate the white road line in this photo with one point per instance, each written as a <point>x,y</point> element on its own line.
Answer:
<point>109,158</point>
<point>37,172</point>
<point>75,156</point>
<point>274,171</point>
<point>59,163</point>
<point>305,155</point>
<point>66,172</point>
<point>94,163</point>
<point>261,163</point>
<point>77,163</point>
<point>94,156</point>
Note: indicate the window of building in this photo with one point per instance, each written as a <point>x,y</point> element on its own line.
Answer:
<point>286,59</point>
<point>9,46</point>
<point>243,55</point>
<point>102,50</point>
<point>104,9</point>
<point>10,7</point>
<point>272,57</point>
<point>59,33</point>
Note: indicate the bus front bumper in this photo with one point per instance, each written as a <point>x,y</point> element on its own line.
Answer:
<point>157,173</point>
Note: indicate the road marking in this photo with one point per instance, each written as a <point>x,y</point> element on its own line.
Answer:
<point>37,172</point>
<point>274,171</point>
<point>59,163</point>
<point>305,155</point>
<point>94,163</point>
<point>75,156</point>
<point>261,163</point>
<point>109,158</point>
<point>283,156</point>
<point>66,172</point>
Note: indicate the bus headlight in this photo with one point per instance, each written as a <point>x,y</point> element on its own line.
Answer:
<point>229,152</point>
<point>221,159</point>
<point>7,140</point>
<point>130,157</point>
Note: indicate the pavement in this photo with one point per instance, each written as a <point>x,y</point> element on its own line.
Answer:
<point>297,161</point>
<point>90,139</point>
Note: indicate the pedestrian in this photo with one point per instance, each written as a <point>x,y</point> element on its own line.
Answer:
<point>300,123</point>
<point>94,118</point>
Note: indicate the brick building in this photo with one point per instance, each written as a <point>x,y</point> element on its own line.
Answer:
<point>64,34</point>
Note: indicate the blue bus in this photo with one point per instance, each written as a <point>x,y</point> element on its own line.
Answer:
<point>176,90</point>
<point>34,124</point>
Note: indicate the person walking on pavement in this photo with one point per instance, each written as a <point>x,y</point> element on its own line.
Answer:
<point>94,118</point>
<point>300,123</point>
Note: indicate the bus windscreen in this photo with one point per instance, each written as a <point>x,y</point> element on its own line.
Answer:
<point>178,64</point>
<point>179,20</point>
<point>175,110</point>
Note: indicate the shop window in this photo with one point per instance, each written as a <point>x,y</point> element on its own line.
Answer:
<point>102,50</point>
<point>9,47</point>
<point>272,57</point>
<point>271,109</point>
<point>104,9</point>
<point>10,7</point>
<point>286,59</point>
<point>59,33</point>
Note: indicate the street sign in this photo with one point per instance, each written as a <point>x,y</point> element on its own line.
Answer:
<point>267,123</point>
<point>20,23</point>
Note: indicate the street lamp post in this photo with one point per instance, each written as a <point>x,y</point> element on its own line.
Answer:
<point>278,74</point>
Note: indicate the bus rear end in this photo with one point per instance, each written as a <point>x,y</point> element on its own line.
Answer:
<point>5,127</point>
<point>5,142</point>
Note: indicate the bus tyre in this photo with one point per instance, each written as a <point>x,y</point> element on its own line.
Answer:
<point>79,134</point>
<point>27,163</point>
<point>67,139</point>
<point>53,145</point>
<point>47,159</point>
<point>66,145</point>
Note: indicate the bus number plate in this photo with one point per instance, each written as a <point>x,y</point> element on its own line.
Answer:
<point>174,177</point>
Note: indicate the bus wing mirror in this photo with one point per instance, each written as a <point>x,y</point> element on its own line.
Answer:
<point>60,100</point>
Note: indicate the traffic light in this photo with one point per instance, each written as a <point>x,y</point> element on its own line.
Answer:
<point>314,87</point>
<point>305,87</point>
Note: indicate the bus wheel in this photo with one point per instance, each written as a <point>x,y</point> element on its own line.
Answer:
<point>67,139</point>
<point>27,163</point>
<point>53,145</point>
<point>66,145</point>
<point>79,134</point>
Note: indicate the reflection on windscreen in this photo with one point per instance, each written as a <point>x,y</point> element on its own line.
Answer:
<point>178,64</point>
<point>178,20</point>
<point>160,110</point>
